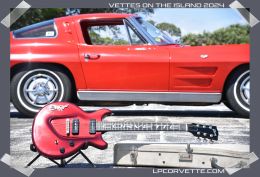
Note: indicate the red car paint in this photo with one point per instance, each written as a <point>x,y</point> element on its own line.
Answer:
<point>150,68</point>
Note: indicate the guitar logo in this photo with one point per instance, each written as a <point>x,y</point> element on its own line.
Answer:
<point>58,107</point>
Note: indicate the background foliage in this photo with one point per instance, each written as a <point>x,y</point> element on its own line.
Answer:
<point>234,34</point>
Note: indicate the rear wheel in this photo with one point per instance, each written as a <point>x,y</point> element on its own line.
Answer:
<point>34,88</point>
<point>238,91</point>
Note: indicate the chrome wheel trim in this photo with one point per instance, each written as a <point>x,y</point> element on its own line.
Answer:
<point>22,79</point>
<point>245,90</point>
<point>40,89</point>
<point>236,94</point>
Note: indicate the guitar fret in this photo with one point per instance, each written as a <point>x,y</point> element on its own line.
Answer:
<point>204,131</point>
<point>140,126</point>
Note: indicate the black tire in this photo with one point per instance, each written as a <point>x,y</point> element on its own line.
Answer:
<point>236,99</point>
<point>228,105</point>
<point>21,95</point>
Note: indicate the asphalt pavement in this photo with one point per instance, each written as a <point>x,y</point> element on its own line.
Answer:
<point>233,130</point>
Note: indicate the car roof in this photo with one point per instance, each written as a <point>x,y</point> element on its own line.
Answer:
<point>97,16</point>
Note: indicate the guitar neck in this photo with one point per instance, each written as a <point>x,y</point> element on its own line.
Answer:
<point>198,130</point>
<point>138,126</point>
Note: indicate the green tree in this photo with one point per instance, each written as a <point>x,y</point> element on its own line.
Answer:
<point>234,34</point>
<point>152,22</point>
<point>170,28</point>
<point>35,15</point>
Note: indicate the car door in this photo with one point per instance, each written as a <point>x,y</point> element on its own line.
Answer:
<point>114,57</point>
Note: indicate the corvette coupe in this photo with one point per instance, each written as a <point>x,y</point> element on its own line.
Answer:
<point>121,59</point>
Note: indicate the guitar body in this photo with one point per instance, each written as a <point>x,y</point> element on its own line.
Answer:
<point>52,124</point>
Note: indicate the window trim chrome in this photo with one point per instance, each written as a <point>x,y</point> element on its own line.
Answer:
<point>143,33</point>
<point>129,25</point>
<point>128,33</point>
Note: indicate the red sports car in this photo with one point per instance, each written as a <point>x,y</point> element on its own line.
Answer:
<point>122,59</point>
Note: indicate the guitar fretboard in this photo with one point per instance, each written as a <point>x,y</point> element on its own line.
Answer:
<point>139,126</point>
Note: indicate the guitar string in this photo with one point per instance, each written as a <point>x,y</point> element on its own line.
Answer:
<point>125,125</point>
<point>113,126</point>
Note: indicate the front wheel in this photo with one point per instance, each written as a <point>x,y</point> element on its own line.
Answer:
<point>34,88</point>
<point>238,91</point>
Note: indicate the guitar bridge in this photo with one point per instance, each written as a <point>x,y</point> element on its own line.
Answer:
<point>68,127</point>
<point>92,126</point>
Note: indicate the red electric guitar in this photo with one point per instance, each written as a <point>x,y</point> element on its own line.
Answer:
<point>61,129</point>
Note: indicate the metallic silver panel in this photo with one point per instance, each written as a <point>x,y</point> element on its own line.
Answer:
<point>149,96</point>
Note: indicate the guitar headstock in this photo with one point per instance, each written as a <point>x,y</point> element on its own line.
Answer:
<point>203,131</point>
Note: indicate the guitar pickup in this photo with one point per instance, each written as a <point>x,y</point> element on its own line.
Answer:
<point>75,126</point>
<point>92,126</point>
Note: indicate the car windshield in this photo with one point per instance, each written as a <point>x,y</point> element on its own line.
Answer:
<point>160,37</point>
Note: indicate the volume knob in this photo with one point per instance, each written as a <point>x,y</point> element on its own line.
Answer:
<point>71,143</point>
<point>62,150</point>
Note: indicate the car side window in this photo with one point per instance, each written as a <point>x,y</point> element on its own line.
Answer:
<point>44,29</point>
<point>108,34</point>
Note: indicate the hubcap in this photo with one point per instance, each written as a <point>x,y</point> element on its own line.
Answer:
<point>40,89</point>
<point>245,90</point>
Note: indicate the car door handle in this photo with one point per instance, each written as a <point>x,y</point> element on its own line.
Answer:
<point>91,56</point>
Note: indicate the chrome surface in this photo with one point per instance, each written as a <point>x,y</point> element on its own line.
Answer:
<point>245,90</point>
<point>149,96</point>
<point>203,56</point>
<point>40,89</point>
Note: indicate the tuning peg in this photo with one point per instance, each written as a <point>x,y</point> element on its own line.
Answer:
<point>198,139</point>
<point>211,135</point>
<point>204,126</point>
<point>204,134</point>
<point>198,133</point>
<point>205,140</point>
<point>210,126</point>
